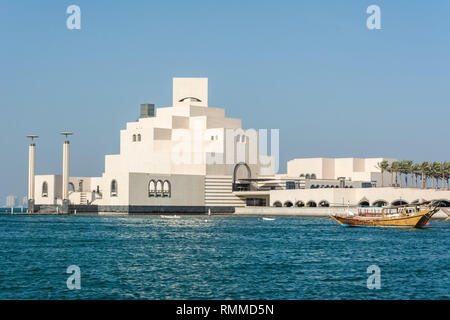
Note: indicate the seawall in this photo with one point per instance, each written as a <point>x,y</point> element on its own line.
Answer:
<point>302,212</point>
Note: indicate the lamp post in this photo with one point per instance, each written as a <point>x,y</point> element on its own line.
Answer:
<point>31,165</point>
<point>65,173</point>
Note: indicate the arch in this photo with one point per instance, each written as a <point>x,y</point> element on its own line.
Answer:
<point>167,189</point>
<point>398,202</point>
<point>288,204</point>
<point>159,188</point>
<point>152,188</point>
<point>441,203</point>
<point>80,186</point>
<point>311,204</point>
<point>307,176</point>
<point>45,189</point>
<point>380,203</point>
<point>71,187</point>
<point>277,204</point>
<point>302,175</point>
<point>364,203</point>
<point>324,203</point>
<point>139,137</point>
<point>190,99</point>
<point>313,176</point>
<point>236,167</point>
<point>134,138</point>
<point>114,188</point>
<point>299,204</point>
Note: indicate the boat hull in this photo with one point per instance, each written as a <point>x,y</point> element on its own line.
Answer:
<point>413,221</point>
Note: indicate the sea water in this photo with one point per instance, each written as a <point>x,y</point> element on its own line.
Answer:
<point>193,257</point>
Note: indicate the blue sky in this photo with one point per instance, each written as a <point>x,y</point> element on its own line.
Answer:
<point>310,68</point>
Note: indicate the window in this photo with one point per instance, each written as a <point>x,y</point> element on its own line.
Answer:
<point>134,138</point>
<point>190,99</point>
<point>277,204</point>
<point>152,188</point>
<point>166,189</point>
<point>45,189</point>
<point>255,202</point>
<point>159,188</point>
<point>139,137</point>
<point>290,185</point>
<point>114,188</point>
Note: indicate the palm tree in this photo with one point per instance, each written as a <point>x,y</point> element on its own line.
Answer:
<point>415,169</point>
<point>395,167</point>
<point>405,167</point>
<point>447,172</point>
<point>383,166</point>
<point>436,173</point>
<point>391,171</point>
<point>443,174</point>
<point>425,169</point>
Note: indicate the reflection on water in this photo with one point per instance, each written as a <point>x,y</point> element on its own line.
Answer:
<point>198,257</point>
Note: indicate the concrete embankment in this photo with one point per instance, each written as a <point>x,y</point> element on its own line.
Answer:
<point>302,212</point>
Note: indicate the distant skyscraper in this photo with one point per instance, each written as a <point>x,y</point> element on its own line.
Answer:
<point>11,201</point>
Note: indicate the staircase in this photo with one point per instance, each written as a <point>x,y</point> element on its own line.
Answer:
<point>218,192</point>
<point>83,198</point>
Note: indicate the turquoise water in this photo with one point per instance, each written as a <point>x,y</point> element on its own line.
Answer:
<point>218,258</point>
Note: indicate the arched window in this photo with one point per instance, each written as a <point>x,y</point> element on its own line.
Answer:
<point>311,204</point>
<point>299,204</point>
<point>313,176</point>
<point>114,188</point>
<point>324,203</point>
<point>139,137</point>
<point>71,187</point>
<point>167,189</point>
<point>159,188</point>
<point>190,99</point>
<point>307,176</point>
<point>277,204</point>
<point>152,188</point>
<point>45,189</point>
<point>288,204</point>
<point>134,138</point>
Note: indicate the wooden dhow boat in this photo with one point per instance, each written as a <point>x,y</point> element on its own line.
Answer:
<point>408,216</point>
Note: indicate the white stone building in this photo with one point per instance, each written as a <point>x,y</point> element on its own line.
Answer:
<point>191,158</point>
<point>175,159</point>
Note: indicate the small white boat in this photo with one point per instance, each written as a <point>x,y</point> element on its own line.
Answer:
<point>268,219</point>
<point>171,217</point>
